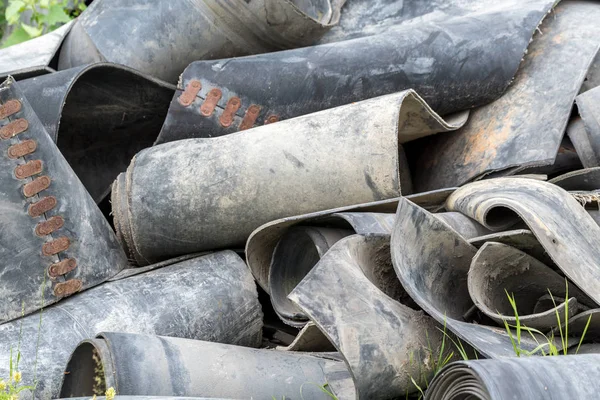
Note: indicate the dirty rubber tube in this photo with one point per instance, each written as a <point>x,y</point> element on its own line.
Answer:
<point>352,294</point>
<point>531,378</point>
<point>162,39</point>
<point>522,128</point>
<point>54,241</point>
<point>374,217</point>
<point>211,193</point>
<point>567,232</point>
<point>169,366</point>
<point>498,270</point>
<point>474,48</point>
<point>100,116</point>
<point>187,299</point>
<point>295,255</point>
<point>432,261</point>
<point>34,57</point>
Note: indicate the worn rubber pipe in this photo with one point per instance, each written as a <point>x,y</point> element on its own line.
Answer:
<point>169,366</point>
<point>432,261</point>
<point>161,39</point>
<point>472,47</point>
<point>353,296</point>
<point>532,378</point>
<point>562,226</point>
<point>211,193</point>
<point>100,116</point>
<point>54,240</point>
<point>522,128</point>
<point>498,271</point>
<point>212,297</point>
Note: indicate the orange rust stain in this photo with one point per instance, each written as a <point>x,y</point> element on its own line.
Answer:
<point>482,143</point>
<point>557,39</point>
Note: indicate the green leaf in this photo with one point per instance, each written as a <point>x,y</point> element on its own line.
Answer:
<point>19,35</point>
<point>44,3</point>
<point>56,15</point>
<point>14,10</point>
<point>32,31</point>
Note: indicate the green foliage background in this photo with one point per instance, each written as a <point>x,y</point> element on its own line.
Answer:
<point>21,20</point>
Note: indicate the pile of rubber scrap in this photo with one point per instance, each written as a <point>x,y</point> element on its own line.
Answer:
<point>303,199</point>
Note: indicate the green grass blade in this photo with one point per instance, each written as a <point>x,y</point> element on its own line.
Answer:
<point>587,325</point>
<point>566,340</point>
<point>422,394</point>
<point>512,339</point>
<point>560,325</point>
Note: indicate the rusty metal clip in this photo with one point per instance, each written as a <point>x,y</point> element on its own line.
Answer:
<point>271,119</point>
<point>210,103</point>
<point>250,117</point>
<point>47,227</point>
<point>9,108</point>
<point>189,94</point>
<point>14,128</point>
<point>28,169</point>
<point>67,288</point>
<point>22,149</point>
<point>44,205</point>
<point>62,268</point>
<point>37,185</point>
<point>56,246</point>
<point>231,108</point>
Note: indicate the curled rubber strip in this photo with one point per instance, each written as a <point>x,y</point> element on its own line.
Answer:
<point>566,231</point>
<point>568,377</point>
<point>34,186</point>
<point>498,269</point>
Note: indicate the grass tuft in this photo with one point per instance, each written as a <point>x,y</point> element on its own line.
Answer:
<point>548,346</point>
